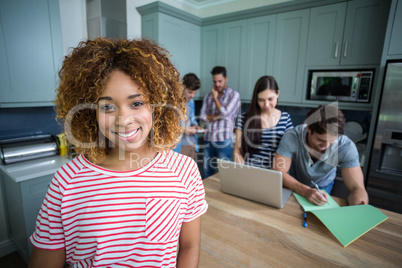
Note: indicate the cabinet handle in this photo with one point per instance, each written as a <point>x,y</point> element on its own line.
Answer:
<point>345,50</point>
<point>336,50</point>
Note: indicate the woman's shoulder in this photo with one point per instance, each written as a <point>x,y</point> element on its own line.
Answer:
<point>175,159</point>
<point>284,114</point>
<point>71,168</point>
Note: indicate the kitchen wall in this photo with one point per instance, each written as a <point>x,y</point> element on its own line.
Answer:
<point>18,122</point>
<point>22,122</point>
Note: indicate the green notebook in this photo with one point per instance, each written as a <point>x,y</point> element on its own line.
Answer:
<point>346,223</point>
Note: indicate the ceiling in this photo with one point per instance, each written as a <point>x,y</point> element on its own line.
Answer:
<point>208,8</point>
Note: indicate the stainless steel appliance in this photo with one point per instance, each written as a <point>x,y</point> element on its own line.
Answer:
<point>384,182</point>
<point>27,148</point>
<point>340,85</point>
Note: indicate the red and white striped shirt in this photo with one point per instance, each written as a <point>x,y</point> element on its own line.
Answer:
<point>105,218</point>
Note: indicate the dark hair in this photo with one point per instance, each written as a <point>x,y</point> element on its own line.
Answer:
<point>326,119</point>
<point>191,82</point>
<point>85,73</point>
<point>252,116</point>
<point>219,70</point>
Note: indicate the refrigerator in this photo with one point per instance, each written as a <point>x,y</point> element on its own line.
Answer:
<point>384,180</point>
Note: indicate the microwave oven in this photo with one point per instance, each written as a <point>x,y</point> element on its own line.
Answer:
<point>340,85</point>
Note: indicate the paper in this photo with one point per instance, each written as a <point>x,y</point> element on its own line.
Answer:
<point>346,223</point>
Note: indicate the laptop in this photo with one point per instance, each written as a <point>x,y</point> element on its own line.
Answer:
<point>253,183</point>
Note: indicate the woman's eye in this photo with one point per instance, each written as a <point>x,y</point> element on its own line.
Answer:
<point>106,108</point>
<point>137,103</point>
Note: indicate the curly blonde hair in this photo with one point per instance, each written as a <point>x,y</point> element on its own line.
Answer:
<point>83,77</point>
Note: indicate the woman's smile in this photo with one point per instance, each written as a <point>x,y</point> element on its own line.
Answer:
<point>128,135</point>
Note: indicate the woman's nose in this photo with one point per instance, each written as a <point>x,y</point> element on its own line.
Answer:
<point>124,118</point>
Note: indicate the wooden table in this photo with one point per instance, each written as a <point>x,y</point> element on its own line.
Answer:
<point>239,233</point>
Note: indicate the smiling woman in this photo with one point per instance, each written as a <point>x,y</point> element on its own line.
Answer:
<point>124,118</point>
<point>88,71</point>
<point>126,200</point>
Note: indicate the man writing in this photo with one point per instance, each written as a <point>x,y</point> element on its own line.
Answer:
<point>219,111</point>
<point>312,152</point>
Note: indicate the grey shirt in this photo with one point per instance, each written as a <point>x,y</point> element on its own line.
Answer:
<point>342,152</point>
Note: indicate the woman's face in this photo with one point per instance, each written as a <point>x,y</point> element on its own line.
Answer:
<point>124,116</point>
<point>267,100</point>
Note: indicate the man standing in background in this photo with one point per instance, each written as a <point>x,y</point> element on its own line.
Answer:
<point>219,111</point>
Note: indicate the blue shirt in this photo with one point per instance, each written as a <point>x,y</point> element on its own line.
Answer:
<point>191,120</point>
<point>342,152</point>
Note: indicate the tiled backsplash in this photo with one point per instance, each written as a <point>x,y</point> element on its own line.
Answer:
<point>22,122</point>
<point>298,114</point>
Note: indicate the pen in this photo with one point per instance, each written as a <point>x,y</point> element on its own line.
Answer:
<point>318,189</point>
<point>305,220</point>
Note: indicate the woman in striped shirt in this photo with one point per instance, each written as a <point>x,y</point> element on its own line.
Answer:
<point>259,130</point>
<point>126,200</point>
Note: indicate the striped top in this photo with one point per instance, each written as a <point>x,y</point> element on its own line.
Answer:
<point>221,129</point>
<point>107,218</point>
<point>269,141</point>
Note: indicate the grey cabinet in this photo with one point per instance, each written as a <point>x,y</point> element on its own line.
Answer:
<point>395,45</point>
<point>267,45</point>
<point>31,52</point>
<point>326,34</point>
<point>260,52</point>
<point>234,54</point>
<point>349,33</point>
<point>181,38</point>
<point>23,201</point>
<point>211,54</point>
<point>290,55</point>
<point>224,44</point>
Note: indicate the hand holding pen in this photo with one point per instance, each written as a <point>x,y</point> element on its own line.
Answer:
<point>323,198</point>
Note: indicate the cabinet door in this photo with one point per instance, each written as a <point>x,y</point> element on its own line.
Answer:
<point>182,39</point>
<point>325,35</point>
<point>290,54</point>
<point>366,22</point>
<point>149,26</point>
<point>395,46</point>
<point>234,52</point>
<point>211,54</point>
<point>260,51</point>
<point>31,49</point>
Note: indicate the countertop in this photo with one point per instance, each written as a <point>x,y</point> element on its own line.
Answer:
<point>27,170</point>
<point>236,232</point>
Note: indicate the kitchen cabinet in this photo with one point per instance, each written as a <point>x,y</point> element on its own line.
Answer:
<point>251,48</point>
<point>290,51</point>
<point>395,45</point>
<point>180,37</point>
<point>25,186</point>
<point>234,55</point>
<point>211,55</point>
<point>260,52</point>
<point>24,200</point>
<point>6,245</point>
<point>31,52</point>
<point>347,33</point>
<point>224,44</point>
